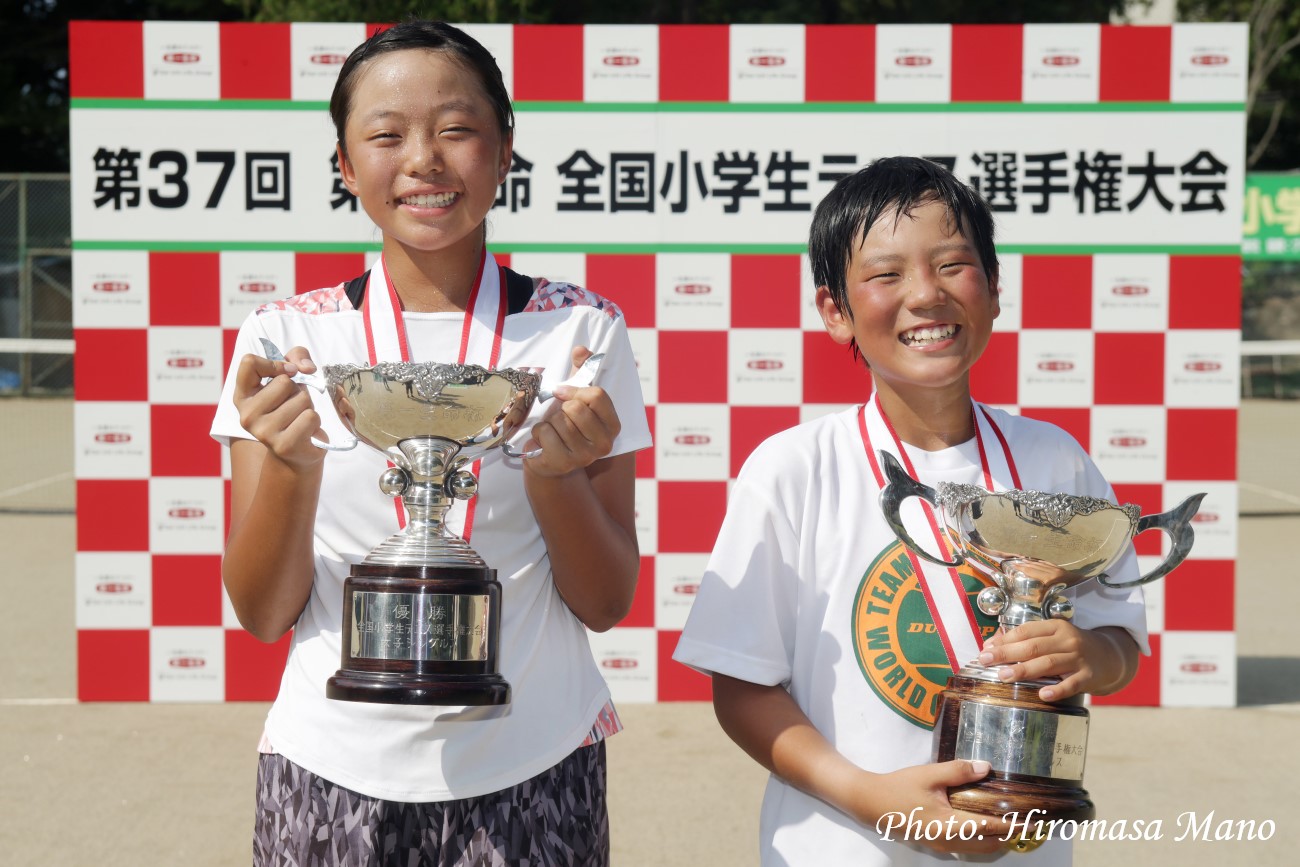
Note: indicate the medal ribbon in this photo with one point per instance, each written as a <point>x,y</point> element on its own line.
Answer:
<point>945,595</point>
<point>480,340</point>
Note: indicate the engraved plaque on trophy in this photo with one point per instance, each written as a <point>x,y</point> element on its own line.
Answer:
<point>1032,545</point>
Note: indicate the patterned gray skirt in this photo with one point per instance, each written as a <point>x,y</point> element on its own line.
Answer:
<point>556,819</point>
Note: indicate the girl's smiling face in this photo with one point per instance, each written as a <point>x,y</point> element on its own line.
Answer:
<point>424,153</point>
<point>920,305</point>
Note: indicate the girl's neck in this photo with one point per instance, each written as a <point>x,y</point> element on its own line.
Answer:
<point>434,282</point>
<point>928,420</point>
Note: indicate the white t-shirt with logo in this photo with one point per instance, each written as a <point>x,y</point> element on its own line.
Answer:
<point>809,588</point>
<point>433,753</point>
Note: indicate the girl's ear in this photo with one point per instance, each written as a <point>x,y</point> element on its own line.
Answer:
<point>345,170</point>
<point>507,156</point>
<point>838,325</point>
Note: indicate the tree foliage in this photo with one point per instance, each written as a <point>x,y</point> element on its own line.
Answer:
<point>34,38</point>
<point>1273,90</point>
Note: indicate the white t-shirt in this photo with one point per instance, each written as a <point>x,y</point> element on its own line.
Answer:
<point>808,587</point>
<point>432,753</point>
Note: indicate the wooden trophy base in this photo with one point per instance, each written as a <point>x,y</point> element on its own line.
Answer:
<point>1036,749</point>
<point>421,635</point>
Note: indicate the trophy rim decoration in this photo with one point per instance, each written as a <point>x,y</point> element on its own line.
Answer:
<point>429,435</point>
<point>1052,510</point>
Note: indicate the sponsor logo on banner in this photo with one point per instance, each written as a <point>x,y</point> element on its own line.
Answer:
<point>110,441</point>
<point>187,665</point>
<point>113,590</point>
<point>1129,290</point>
<point>184,365</point>
<point>1130,293</point>
<point>326,58</point>
<point>1198,669</point>
<point>914,63</point>
<point>694,443</point>
<point>186,515</point>
<point>112,291</point>
<point>627,660</point>
<point>1209,62</point>
<point>258,287</point>
<point>677,581</point>
<point>1056,370</point>
<point>696,299</point>
<point>1204,369</point>
<point>765,63</point>
<point>693,289</point>
<point>1059,63</point>
<point>183,61</point>
<point>622,64</point>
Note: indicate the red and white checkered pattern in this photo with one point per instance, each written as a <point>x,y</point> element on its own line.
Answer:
<point>1134,354</point>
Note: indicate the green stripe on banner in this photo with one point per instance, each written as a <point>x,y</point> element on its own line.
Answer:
<point>618,248</point>
<point>695,107</point>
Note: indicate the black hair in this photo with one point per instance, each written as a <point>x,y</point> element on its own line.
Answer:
<point>431,36</point>
<point>897,186</point>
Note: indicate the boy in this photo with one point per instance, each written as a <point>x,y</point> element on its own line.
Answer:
<point>826,649</point>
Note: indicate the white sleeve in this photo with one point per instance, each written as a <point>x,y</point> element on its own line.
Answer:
<point>225,424</point>
<point>742,623</point>
<point>621,381</point>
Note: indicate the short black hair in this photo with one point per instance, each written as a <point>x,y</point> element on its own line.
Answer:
<point>896,185</point>
<point>431,36</point>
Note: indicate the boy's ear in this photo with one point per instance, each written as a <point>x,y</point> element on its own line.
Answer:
<point>995,294</point>
<point>838,325</point>
<point>345,171</point>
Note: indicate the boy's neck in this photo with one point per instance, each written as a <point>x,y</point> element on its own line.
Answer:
<point>928,420</point>
<point>436,282</point>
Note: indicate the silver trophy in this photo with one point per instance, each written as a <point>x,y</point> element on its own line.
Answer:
<point>1033,546</point>
<point>422,611</point>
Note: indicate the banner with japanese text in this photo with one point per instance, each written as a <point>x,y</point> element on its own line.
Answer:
<point>674,170</point>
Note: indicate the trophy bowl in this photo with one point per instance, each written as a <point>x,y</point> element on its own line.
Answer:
<point>422,611</point>
<point>1032,546</point>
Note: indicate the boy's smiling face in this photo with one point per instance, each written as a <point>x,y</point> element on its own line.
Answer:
<point>922,308</point>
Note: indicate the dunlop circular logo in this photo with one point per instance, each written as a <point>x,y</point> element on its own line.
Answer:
<point>896,642</point>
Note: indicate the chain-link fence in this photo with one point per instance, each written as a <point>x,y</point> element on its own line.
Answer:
<point>36,464</point>
<point>1270,328</point>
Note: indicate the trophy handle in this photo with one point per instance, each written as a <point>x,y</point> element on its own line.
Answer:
<point>584,376</point>
<point>330,447</point>
<point>900,487</point>
<point>1177,524</point>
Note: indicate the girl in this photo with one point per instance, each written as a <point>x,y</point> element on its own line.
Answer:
<point>425,131</point>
